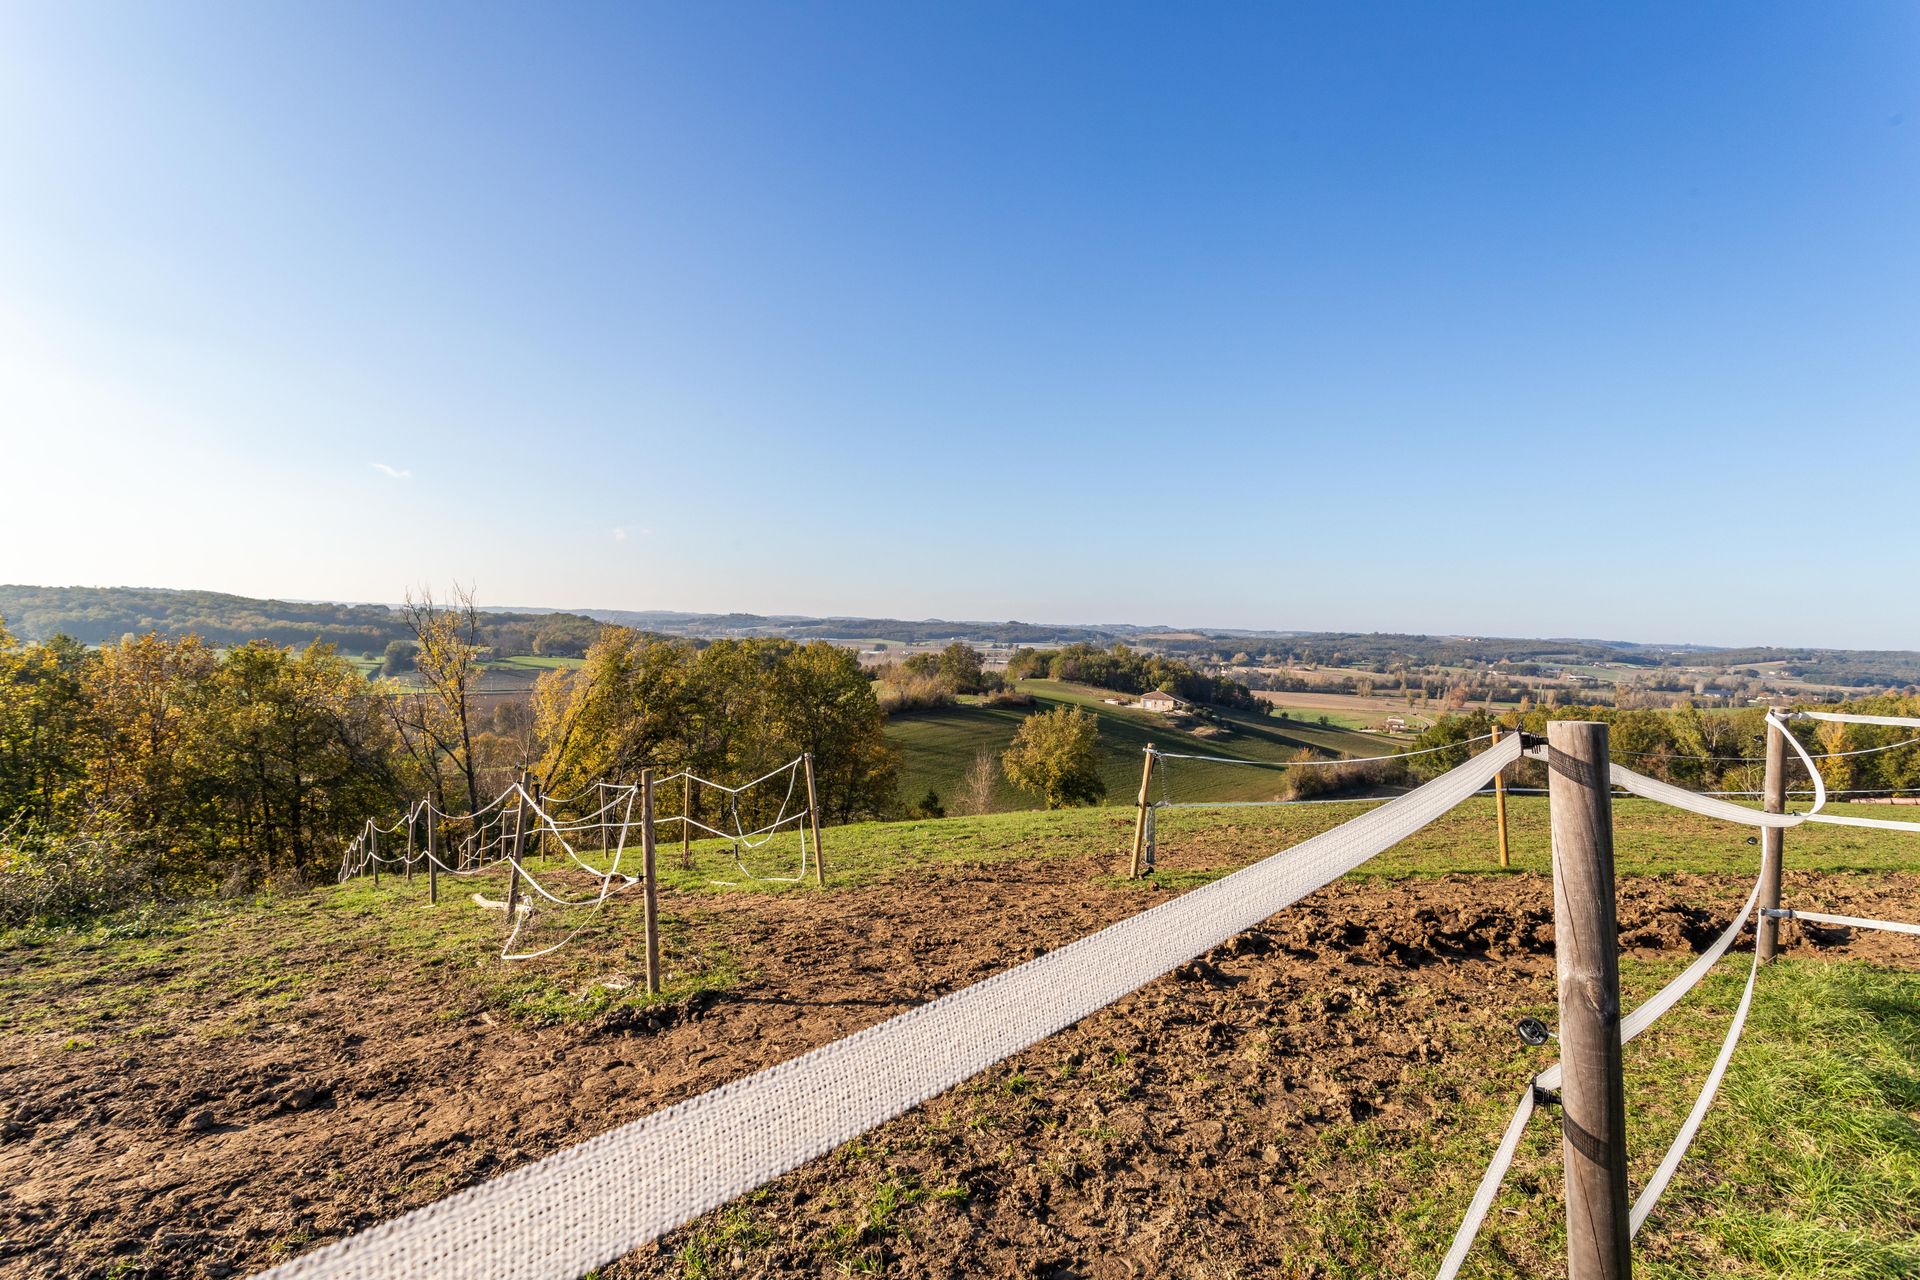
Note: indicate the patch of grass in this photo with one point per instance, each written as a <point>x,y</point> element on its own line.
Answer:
<point>712,1242</point>
<point>1808,1164</point>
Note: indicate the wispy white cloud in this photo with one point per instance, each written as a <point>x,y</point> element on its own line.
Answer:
<point>623,532</point>
<point>393,473</point>
<point>620,533</point>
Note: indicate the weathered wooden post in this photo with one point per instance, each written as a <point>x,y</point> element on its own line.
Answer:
<point>813,820</point>
<point>433,857</point>
<point>1593,1120</point>
<point>514,851</point>
<point>1773,840</point>
<point>649,888</point>
<point>373,850</point>
<point>1500,801</point>
<point>1138,866</point>
<point>413,820</point>
<point>686,820</point>
<point>536,842</point>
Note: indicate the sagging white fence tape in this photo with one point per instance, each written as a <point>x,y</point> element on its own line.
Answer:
<point>1852,922</point>
<point>1708,806</point>
<point>1630,1027</point>
<point>1836,717</point>
<point>1878,824</point>
<point>1677,1150</point>
<point>597,1201</point>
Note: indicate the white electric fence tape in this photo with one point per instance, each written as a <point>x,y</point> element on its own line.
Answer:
<point>1835,717</point>
<point>1322,764</point>
<point>590,1203</point>
<point>1630,1027</point>
<point>1855,922</point>
<point>1878,824</point>
<point>1489,1187</point>
<point>1650,1194</point>
<point>615,813</point>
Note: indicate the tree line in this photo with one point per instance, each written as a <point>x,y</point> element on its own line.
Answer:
<point>1128,670</point>
<point>206,769</point>
<point>1709,751</point>
<point>199,768</point>
<point>103,615</point>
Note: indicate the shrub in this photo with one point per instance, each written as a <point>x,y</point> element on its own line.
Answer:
<point>59,877</point>
<point>901,690</point>
<point>1349,777</point>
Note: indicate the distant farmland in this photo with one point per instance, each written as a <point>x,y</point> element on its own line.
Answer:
<point>937,747</point>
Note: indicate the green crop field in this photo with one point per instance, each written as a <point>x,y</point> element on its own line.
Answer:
<point>936,747</point>
<point>530,662</point>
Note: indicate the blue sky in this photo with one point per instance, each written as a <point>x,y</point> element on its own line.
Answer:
<point>1518,319</point>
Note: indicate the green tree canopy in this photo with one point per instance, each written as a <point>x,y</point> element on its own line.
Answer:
<point>1055,757</point>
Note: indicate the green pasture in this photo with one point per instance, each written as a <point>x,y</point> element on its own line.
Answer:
<point>937,747</point>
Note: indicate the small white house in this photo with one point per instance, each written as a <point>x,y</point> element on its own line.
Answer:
<point>1396,724</point>
<point>1158,701</point>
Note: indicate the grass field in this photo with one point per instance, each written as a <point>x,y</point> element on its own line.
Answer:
<point>937,747</point>
<point>1809,1163</point>
<point>1347,710</point>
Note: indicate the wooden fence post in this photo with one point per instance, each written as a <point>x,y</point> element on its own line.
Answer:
<point>433,856</point>
<point>813,820</point>
<point>1593,1121</point>
<point>1500,801</point>
<point>539,831</point>
<point>649,888</point>
<point>686,827</point>
<point>513,854</point>
<point>1773,841</point>
<point>413,820</point>
<point>1137,867</point>
<point>373,850</point>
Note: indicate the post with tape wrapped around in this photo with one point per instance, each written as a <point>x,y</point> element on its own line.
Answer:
<point>1593,1120</point>
<point>1766,938</point>
<point>1137,865</point>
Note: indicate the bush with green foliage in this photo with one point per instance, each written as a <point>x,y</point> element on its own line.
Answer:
<point>1055,757</point>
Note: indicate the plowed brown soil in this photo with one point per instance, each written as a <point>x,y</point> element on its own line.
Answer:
<point>1144,1140</point>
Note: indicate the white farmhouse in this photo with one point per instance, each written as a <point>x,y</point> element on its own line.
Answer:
<point>1158,701</point>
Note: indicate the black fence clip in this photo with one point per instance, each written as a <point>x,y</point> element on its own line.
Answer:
<point>1533,1031</point>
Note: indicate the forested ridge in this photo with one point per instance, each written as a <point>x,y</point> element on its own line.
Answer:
<point>101,615</point>
<point>97,615</point>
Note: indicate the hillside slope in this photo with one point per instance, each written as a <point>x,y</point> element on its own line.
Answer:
<point>938,747</point>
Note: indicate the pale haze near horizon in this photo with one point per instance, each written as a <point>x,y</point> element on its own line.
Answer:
<point>1492,321</point>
